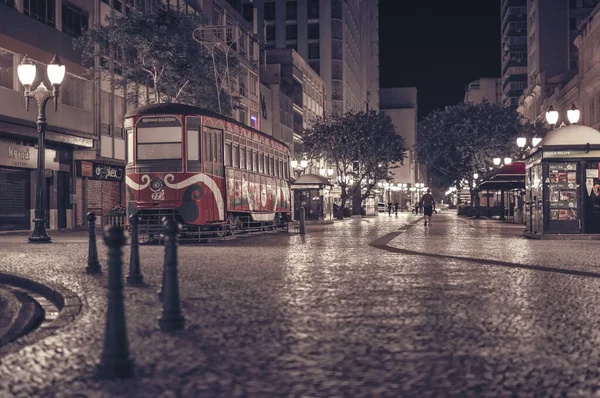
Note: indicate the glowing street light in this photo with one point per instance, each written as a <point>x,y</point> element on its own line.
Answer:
<point>551,116</point>
<point>573,114</point>
<point>497,161</point>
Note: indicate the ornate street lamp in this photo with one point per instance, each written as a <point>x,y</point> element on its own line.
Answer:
<point>497,161</point>
<point>294,164</point>
<point>535,141</point>
<point>507,161</point>
<point>56,73</point>
<point>475,176</point>
<point>329,172</point>
<point>551,116</point>
<point>304,163</point>
<point>521,142</point>
<point>573,114</point>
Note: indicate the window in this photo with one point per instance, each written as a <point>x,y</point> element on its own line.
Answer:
<point>266,169</point>
<point>76,92</point>
<point>236,156</point>
<point>286,170</point>
<point>261,163</point>
<point>208,147</point>
<point>313,30</point>
<point>248,12</point>
<point>129,146</point>
<point>117,5</point>
<point>228,161</point>
<point>336,9</point>
<point>270,33</point>
<point>154,144</point>
<point>118,120</point>
<point>74,20</point>
<point>42,10</point>
<point>292,46</point>
<point>272,166</point>
<point>291,10</point>
<point>314,51</point>
<point>105,112</point>
<point>255,161</point>
<point>243,115</point>
<point>291,32</point>
<point>313,9</point>
<point>6,70</point>
<point>249,158</point>
<point>193,145</point>
<point>242,158</point>
<point>269,9</point>
<point>253,84</point>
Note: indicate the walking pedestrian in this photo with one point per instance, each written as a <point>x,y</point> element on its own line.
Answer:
<point>390,209</point>
<point>395,207</point>
<point>428,202</point>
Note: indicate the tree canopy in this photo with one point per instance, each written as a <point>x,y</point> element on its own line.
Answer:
<point>463,139</point>
<point>361,146</point>
<point>154,47</point>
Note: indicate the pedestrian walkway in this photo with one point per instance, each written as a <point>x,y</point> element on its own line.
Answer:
<point>450,235</point>
<point>378,306</point>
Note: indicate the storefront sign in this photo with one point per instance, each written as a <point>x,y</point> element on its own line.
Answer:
<point>21,156</point>
<point>569,154</point>
<point>158,121</point>
<point>86,169</point>
<point>108,173</point>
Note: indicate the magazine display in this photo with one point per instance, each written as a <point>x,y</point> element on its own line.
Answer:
<point>562,185</point>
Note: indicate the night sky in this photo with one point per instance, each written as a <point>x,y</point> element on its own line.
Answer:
<point>438,46</point>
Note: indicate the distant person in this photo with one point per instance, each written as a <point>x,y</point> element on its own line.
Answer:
<point>428,202</point>
<point>390,208</point>
<point>395,207</point>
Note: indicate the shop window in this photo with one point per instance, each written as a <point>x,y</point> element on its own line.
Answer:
<point>74,20</point>
<point>42,10</point>
<point>6,69</point>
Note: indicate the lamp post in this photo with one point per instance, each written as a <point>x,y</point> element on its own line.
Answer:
<point>56,74</point>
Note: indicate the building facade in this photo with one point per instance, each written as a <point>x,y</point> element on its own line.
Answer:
<point>552,57</point>
<point>485,89</point>
<point>400,104</point>
<point>85,156</point>
<point>514,50</point>
<point>339,39</point>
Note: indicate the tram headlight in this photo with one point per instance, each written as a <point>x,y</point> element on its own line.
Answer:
<point>156,184</point>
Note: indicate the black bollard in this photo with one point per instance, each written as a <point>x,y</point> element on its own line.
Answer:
<point>93,266</point>
<point>115,361</point>
<point>135,277</point>
<point>171,318</point>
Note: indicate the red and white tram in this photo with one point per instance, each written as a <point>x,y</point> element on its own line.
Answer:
<point>208,171</point>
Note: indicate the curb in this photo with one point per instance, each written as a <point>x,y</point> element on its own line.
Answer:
<point>67,302</point>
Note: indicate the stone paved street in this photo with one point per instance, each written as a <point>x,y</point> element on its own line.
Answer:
<point>362,307</point>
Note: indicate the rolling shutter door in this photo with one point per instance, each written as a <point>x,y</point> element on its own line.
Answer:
<point>14,199</point>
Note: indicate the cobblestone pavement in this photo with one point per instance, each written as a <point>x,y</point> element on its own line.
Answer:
<point>327,314</point>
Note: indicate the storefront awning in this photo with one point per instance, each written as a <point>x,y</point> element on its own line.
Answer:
<point>510,176</point>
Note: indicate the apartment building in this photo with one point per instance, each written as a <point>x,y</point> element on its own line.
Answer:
<point>514,50</point>
<point>485,89</point>
<point>339,39</point>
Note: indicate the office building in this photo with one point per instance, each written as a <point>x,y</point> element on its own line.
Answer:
<point>514,50</point>
<point>485,89</point>
<point>339,39</point>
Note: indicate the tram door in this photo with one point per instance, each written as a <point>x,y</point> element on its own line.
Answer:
<point>213,161</point>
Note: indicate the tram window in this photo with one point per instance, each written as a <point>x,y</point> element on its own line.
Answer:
<point>272,166</point>
<point>255,162</point>
<point>228,160</point>
<point>154,144</point>
<point>207,146</point>
<point>243,158</point>
<point>249,159</point>
<point>281,173</point>
<point>216,140</point>
<point>129,146</point>
<point>193,145</point>
<point>285,169</point>
<point>261,163</point>
<point>236,156</point>
<point>266,165</point>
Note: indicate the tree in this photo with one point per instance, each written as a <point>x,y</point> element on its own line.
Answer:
<point>154,47</point>
<point>463,139</point>
<point>362,146</point>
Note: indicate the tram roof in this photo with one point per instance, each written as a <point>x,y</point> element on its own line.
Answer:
<point>171,108</point>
